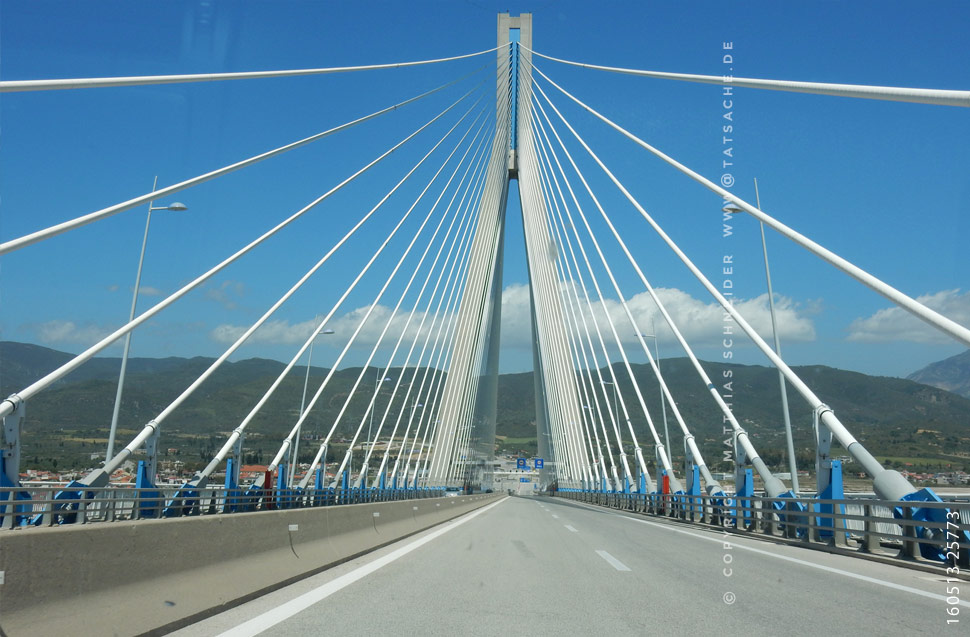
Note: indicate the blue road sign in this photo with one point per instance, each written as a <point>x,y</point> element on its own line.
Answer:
<point>539,462</point>
<point>525,479</point>
<point>520,463</point>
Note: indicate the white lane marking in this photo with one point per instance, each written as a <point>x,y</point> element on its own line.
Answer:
<point>612,561</point>
<point>297,605</point>
<point>865,578</point>
<point>555,516</point>
<point>571,528</point>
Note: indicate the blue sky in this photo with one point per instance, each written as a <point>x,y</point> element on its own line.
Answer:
<point>883,184</point>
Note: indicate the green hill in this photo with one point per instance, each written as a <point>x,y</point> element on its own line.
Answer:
<point>893,417</point>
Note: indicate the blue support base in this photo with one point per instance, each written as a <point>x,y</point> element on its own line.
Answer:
<point>937,516</point>
<point>834,491</point>
<point>19,510</point>
<point>149,500</point>
<point>232,503</point>
<point>281,493</point>
<point>742,495</point>
<point>694,492</point>
<point>184,502</point>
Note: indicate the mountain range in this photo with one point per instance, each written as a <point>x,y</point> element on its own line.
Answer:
<point>899,420</point>
<point>951,374</point>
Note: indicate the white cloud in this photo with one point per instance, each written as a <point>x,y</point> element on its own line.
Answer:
<point>147,290</point>
<point>54,332</point>
<point>896,324</point>
<point>227,294</point>
<point>701,323</point>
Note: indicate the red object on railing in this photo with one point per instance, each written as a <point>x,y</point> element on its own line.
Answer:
<point>269,502</point>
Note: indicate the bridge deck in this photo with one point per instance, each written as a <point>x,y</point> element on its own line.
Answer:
<point>548,566</point>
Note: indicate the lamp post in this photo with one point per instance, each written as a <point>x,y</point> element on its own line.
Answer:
<point>663,401</point>
<point>295,457</point>
<point>175,207</point>
<point>733,208</point>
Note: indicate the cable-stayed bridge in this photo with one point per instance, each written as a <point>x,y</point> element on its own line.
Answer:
<point>434,276</point>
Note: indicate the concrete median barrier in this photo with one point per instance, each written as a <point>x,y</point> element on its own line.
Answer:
<point>131,578</point>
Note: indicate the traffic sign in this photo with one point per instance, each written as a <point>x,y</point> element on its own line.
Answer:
<point>525,479</point>
<point>520,463</point>
<point>539,462</point>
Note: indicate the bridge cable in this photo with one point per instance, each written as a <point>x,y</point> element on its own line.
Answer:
<point>921,311</point>
<point>886,482</point>
<point>11,403</point>
<point>13,86</point>
<point>688,436</point>
<point>452,259</point>
<point>97,215</point>
<point>616,337</point>
<point>227,447</point>
<point>939,97</point>
<point>373,258</point>
<point>431,270</point>
<point>445,334</point>
<point>153,426</point>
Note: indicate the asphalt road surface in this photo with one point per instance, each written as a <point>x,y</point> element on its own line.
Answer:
<point>543,566</point>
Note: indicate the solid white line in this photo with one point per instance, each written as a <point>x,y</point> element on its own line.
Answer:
<point>571,528</point>
<point>297,605</point>
<point>830,569</point>
<point>612,561</point>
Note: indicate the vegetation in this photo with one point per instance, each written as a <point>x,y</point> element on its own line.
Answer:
<point>910,425</point>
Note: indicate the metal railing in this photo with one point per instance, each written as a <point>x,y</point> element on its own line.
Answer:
<point>934,532</point>
<point>59,505</point>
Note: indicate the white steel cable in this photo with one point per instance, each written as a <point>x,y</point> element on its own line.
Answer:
<point>46,233</point>
<point>659,445</point>
<point>576,341</point>
<point>430,417</point>
<point>463,363</point>
<point>698,457</point>
<point>387,283</point>
<point>420,295</point>
<point>547,287</point>
<point>772,485</point>
<point>400,339</point>
<point>238,431</point>
<point>443,334</point>
<point>13,86</point>
<point>152,426</point>
<point>456,241</point>
<point>911,305</point>
<point>14,400</point>
<point>564,265</point>
<point>940,97</point>
<point>894,481</point>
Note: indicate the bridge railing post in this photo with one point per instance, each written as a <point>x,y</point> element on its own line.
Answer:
<point>910,547</point>
<point>870,541</point>
<point>840,527</point>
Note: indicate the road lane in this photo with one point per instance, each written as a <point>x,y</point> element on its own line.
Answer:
<point>540,565</point>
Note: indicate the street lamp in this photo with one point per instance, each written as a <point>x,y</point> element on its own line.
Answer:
<point>175,207</point>
<point>732,208</point>
<point>663,401</point>
<point>295,457</point>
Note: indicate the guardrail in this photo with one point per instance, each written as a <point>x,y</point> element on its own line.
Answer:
<point>866,526</point>
<point>22,507</point>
